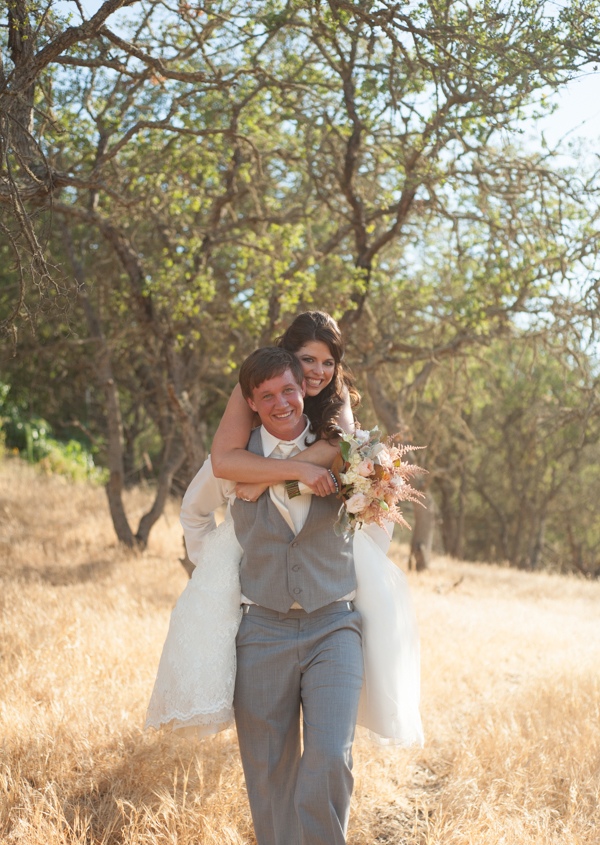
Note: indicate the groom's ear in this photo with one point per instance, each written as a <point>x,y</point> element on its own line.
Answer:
<point>252,405</point>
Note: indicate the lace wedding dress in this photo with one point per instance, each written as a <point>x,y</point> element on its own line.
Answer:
<point>194,684</point>
<point>193,691</point>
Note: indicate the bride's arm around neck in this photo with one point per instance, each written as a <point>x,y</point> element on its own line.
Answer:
<point>232,461</point>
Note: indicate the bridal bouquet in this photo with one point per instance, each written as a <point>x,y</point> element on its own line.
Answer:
<point>372,479</point>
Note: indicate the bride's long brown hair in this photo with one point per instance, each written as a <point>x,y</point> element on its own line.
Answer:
<point>324,408</point>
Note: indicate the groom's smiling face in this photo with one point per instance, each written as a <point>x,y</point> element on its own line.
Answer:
<point>279,402</point>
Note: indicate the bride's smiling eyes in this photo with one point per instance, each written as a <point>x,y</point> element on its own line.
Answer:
<point>308,359</point>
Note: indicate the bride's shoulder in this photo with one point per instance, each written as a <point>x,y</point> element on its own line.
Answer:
<point>346,415</point>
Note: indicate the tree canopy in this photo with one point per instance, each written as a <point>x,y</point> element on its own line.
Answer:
<point>177,182</point>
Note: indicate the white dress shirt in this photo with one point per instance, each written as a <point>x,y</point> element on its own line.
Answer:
<point>294,510</point>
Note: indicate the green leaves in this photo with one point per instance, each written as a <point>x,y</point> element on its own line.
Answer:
<point>219,168</point>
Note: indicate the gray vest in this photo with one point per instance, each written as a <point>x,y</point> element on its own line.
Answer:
<point>314,567</point>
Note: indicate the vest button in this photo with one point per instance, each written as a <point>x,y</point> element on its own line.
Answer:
<point>294,543</point>
<point>297,590</point>
<point>296,567</point>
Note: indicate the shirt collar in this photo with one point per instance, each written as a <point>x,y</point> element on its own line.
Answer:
<point>270,442</point>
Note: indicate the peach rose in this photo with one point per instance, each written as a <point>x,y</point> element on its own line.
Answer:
<point>365,467</point>
<point>357,503</point>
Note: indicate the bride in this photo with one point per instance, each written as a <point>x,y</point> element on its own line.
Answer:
<point>194,686</point>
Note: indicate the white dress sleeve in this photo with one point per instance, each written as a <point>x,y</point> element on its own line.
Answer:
<point>193,690</point>
<point>204,495</point>
<point>389,703</point>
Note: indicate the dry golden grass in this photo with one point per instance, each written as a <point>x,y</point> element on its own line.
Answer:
<point>511,699</point>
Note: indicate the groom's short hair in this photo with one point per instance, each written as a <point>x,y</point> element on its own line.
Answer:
<point>265,363</point>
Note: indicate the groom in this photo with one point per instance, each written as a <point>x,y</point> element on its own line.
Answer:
<point>299,643</point>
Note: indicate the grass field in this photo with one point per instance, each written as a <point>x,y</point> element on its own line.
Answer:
<point>510,697</point>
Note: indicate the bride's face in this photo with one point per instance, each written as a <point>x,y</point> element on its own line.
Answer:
<point>318,364</point>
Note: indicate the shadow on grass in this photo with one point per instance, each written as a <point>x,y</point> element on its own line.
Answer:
<point>63,576</point>
<point>138,788</point>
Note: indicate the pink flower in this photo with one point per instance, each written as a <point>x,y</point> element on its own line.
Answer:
<point>375,481</point>
<point>365,467</point>
<point>385,459</point>
<point>357,503</point>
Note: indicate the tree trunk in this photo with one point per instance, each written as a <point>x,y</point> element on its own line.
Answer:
<point>448,516</point>
<point>114,424</point>
<point>388,412</point>
<point>132,265</point>
<point>422,534</point>
<point>170,464</point>
<point>174,455</point>
<point>537,542</point>
<point>452,514</point>
<point>390,416</point>
<point>459,549</point>
<point>21,44</point>
<point>194,450</point>
<point>185,561</point>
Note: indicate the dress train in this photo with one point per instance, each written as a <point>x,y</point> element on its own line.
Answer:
<point>389,701</point>
<point>193,691</point>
